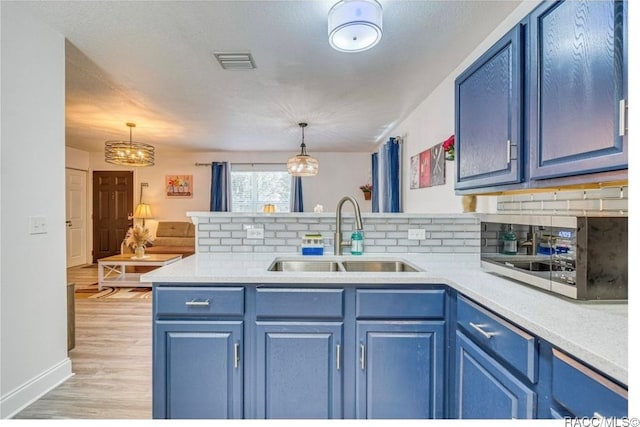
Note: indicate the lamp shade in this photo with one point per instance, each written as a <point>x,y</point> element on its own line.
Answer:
<point>355,25</point>
<point>143,211</point>
<point>302,164</point>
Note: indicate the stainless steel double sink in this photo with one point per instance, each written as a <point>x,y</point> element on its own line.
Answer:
<point>322,265</point>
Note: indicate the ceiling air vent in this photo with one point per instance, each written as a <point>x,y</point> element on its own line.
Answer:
<point>235,61</point>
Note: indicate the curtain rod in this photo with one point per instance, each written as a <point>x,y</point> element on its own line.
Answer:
<point>242,163</point>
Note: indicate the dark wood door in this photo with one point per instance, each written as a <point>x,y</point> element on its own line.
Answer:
<point>112,206</point>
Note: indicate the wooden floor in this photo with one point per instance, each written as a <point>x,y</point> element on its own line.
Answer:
<point>111,361</point>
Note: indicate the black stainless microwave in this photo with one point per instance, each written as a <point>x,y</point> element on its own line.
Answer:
<point>580,257</point>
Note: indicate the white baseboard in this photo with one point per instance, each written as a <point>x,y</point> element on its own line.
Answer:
<point>21,397</point>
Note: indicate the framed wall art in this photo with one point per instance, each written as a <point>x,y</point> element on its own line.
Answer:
<point>427,168</point>
<point>179,186</point>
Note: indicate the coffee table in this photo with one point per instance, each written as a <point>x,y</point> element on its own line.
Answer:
<point>112,269</point>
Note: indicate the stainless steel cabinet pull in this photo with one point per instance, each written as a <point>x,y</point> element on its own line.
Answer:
<point>362,355</point>
<point>622,118</point>
<point>508,151</point>
<point>194,303</point>
<point>338,357</point>
<point>236,355</point>
<point>484,333</point>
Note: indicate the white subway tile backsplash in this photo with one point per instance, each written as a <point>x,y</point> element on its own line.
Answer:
<point>208,227</point>
<point>230,226</point>
<point>570,195</point>
<point>382,232</point>
<point>220,234</point>
<point>611,193</point>
<point>298,227</point>
<point>614,205</point>
<point>532,205</point>
<point>230,242</point>
<point>607,200</point>
<point>442,235</point>
<point>584,205</point>
<point>560,205</point>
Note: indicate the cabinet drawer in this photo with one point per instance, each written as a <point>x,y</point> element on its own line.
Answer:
<point>507,341</point>
<point>585,392</point>
<point>199,301</point>
<point>400,303</point>
<point>299,303</point>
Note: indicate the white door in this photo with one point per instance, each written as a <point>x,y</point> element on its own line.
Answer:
<point>76,203</point>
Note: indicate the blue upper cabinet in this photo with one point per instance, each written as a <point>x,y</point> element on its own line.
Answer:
<point>577,88</point>
<point>488,99</point>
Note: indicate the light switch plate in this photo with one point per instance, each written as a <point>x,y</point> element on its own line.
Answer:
<point>38,225</point>
<point>416,234</point>
<point>255,233</point>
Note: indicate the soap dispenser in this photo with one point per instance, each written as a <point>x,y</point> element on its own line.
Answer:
<point>357,243</point>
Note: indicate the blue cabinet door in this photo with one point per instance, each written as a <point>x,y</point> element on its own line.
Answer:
<point>578,60</point>
<point>197,369</point>
<point>485,389</point>
<point>489,117</point>
<point>400,369</point>
<point>299,372</point>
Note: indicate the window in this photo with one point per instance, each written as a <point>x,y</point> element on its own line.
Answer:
<point>255,185</point>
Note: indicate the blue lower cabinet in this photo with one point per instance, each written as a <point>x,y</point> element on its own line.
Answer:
<point>485,389</point>
<point>400,369</point>
<point>582,392</point>
<point>299,372</point>
<point>198,369</point>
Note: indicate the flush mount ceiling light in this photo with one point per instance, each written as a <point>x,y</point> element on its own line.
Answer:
<point>302,164</point>
<point>355,25</point>
<point>129,153</point>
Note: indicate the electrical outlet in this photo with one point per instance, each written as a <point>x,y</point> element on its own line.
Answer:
<point>416,234</point>
<point>255,233</point>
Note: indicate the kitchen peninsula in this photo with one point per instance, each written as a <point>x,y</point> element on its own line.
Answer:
<point>260,317</point>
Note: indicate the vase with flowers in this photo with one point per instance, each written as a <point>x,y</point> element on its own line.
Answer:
<point>449,148</point>
<point>366,190</point>
<point>138,238</point>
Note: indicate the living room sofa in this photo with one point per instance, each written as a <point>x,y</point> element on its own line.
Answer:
<point>172,237</point>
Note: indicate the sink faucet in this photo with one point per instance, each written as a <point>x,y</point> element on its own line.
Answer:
<point>337,239</point>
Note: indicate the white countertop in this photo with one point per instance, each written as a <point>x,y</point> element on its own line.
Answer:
<point>595,332</point>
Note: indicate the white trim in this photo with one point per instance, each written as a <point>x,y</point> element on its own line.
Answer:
<point>24,395</point>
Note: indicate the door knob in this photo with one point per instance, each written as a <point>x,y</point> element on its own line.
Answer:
<point>68,223</point>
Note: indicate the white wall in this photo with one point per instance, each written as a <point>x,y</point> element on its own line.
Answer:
<point>340,174</point>
<point>33,276</point>
<point>433,121</point>
<point>76,159</point>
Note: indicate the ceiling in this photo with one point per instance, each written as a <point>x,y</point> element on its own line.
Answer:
<point>152,63</point>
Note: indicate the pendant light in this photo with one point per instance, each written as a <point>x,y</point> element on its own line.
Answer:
<point>302,164</point>
<point>129,153</point>
<point>355,25</point>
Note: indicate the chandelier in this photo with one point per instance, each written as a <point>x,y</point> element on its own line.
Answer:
<point>355,25</point>
<point>129,153</point>
<point>302,164</point>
